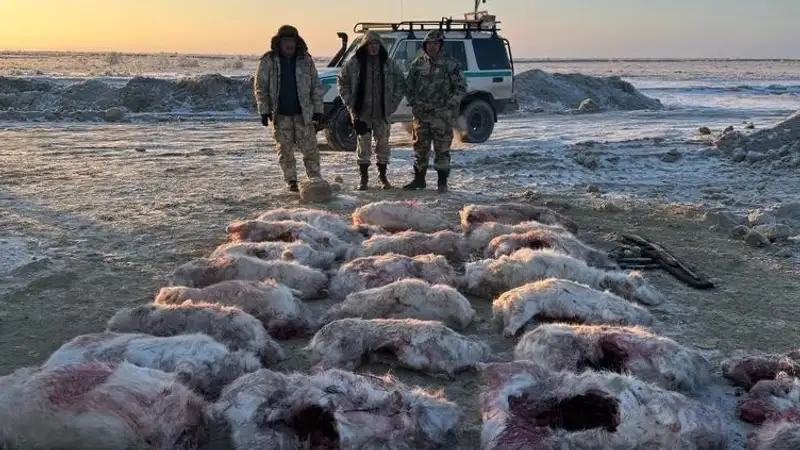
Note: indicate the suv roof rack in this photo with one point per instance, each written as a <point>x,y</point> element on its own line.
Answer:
<point>445,24</point>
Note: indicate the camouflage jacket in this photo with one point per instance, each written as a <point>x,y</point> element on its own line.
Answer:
<point>394,82</point>
<point>266,84</point>
<point>435,86</point>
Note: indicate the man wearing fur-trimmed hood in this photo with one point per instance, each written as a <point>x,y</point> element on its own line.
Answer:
<point>289,94</point>
<point>371,86</point>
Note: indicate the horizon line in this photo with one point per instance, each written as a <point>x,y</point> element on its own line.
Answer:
<point>516,59</point>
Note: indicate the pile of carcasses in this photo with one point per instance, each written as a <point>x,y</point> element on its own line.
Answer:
<point>588,369</point>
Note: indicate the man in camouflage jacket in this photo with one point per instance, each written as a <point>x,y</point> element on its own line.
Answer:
<point>371,86</point>
<point>434,88</point>
<point>288,93</point>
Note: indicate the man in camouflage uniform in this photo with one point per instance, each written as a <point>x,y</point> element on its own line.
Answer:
<point>371,86</point>
<point>288,93</point>
<point>434,88</point>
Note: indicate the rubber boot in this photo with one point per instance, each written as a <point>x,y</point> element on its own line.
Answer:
<point>441,183</point>
<point>382,177</point>
<point>419,180</point>
<point>292,186</point>
<point>364,170</point>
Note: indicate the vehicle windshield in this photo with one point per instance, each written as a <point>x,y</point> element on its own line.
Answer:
<point>388,42</point>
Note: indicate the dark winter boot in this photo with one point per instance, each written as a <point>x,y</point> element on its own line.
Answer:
<point>382,177</point>
<point>292,186</point>
<point>364,170</point>
<point>419,180</point>
<point>442,181</point>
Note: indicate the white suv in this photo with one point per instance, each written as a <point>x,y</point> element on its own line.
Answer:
<point>485,56</point>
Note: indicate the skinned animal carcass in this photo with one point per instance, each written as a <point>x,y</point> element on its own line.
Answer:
<point>775,435</point>
<point>334,409</point>
<point>449,244</point>
<point>287,231</point>
<point>99,406</point>
<point>203,272</point>
<point>479,237</point>
<point>228,325</point>
<point>746,371</point>
<point>511,213</point>
<point>286,251</point>
<point>554,299</point>
<point>375,271</point>
<point>491,277</point>
<point>526,406</point>
<point>565,243</point>
<point>199,361</point>
<point>409,298</point>
<point>325,221</point>
<point>276,306</point>
<point>770,400</point>
<point>630,350</point>
<point>423,345</point>
<point>396,216</point>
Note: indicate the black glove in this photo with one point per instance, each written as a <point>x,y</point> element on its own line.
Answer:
<point>265,118</point>
<point>360,127</point>
<point>317,118</point>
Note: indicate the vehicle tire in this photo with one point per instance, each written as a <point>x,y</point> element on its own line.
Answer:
<point>339,132</point>
<point>478,118</point>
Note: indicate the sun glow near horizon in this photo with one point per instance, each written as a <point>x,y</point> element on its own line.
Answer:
<point>567,28</point>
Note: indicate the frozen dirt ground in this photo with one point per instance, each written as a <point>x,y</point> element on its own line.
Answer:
<point>96,216</point>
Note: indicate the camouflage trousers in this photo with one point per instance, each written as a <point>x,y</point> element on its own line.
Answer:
<point>432,130</point>
<point>291,133</point>
<point>380,133</point>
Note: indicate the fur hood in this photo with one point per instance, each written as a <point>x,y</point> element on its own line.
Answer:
<point>371,36</point>
<point>287,31</point>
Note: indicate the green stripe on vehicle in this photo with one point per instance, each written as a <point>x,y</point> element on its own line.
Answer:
<point>467,74</point>
<point>486,73</point>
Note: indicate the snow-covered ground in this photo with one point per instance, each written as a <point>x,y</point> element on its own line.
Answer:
<point>527,150</point>
<point>96,210</point>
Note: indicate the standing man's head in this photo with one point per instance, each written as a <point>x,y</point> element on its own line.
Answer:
<point>288,36</point>
<point>373,43</point>
<point>433,43</point>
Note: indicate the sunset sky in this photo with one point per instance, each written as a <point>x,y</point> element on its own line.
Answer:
<point>536,28</point>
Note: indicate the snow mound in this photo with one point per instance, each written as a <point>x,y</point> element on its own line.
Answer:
<point>776,147</point>
<point>538,90</point>
<point>95,100</point>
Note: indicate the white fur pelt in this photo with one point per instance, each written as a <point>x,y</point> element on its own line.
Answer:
<point>771,400</point>
<point>287,231</point>
<point>745,371</point>
<point>565,243</point>
<point>199,361</point>
<point>630,350</point>
<point>375,271</point>
<point>776,435</point>
<point>447,243</point>
<point>395,216</point>
<point>526,406</point>
<point>409,298</point>
<point>480,236</point>
<point>273,304</point>
<point>270,410</point>
<point>554,299</point>
<point>203,272</point>
<point>491,277</point>
<point>228,325</point>
<point>98,406</point>
<point>511,213</point>
<point>286,251</point>
<point>325,221</point>
<point>424,345</point>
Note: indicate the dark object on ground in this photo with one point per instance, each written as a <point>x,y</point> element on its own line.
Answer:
<point>668,262</point>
